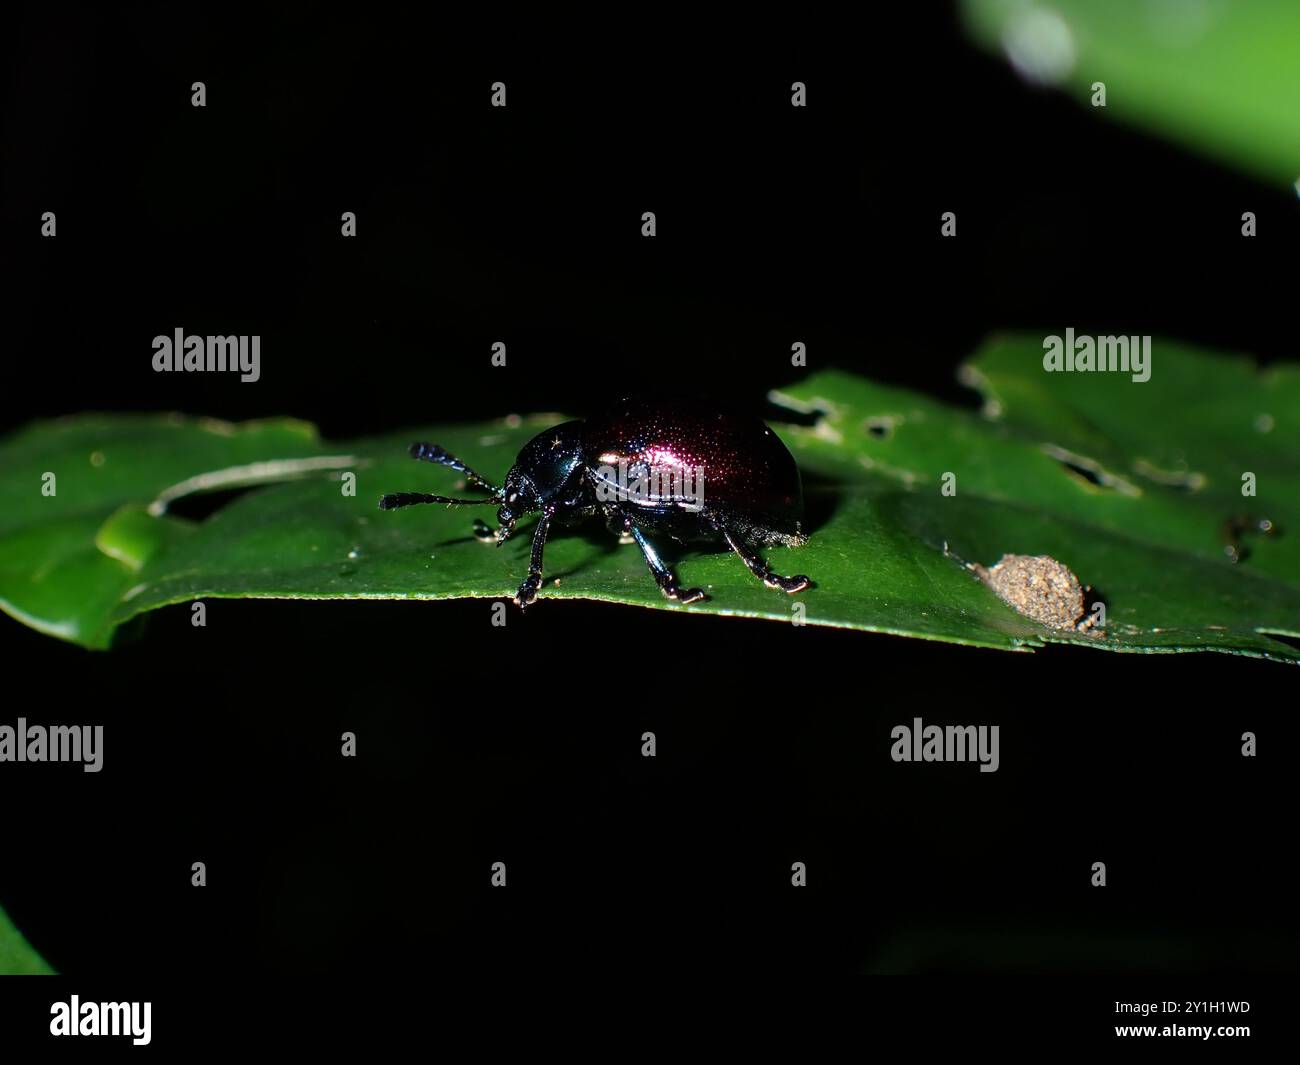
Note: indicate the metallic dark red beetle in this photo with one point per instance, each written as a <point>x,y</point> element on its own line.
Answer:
<point>684,472</point>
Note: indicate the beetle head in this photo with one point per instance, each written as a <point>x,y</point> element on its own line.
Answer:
<point>542,473</point>
<point>545,474</point>
<point>519,496</point>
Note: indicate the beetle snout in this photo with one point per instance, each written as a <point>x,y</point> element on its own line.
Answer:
<point>506,519</point>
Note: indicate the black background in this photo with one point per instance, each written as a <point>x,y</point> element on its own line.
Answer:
<point>523,745</point>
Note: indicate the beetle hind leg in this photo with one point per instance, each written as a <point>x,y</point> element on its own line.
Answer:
<point>759,568</point>
<point>663,574</point>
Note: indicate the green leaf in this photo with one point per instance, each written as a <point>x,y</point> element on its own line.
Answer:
<point>64,566</point>
<point>17,958</point>
<point>1129,484</point>
<point>1220,77</point>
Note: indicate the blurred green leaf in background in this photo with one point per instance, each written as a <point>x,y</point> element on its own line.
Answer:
<point>1217,75</point>
<point>17,958</point>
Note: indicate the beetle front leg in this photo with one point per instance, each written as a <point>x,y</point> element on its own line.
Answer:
<point>760,569</point>
<point>528,590</point>
<point>663,575</point>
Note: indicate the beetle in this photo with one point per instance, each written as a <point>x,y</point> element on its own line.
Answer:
<point>683,471</point>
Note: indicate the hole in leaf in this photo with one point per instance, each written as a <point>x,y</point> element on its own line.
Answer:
<point>1282,637</point>
<point>1181,480</point>
<point>199,506</point>
<point>1088,474</point>
<point>882,427</point>
<point>776,412</point>
<point>1091,471</point>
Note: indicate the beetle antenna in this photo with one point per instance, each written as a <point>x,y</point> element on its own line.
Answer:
<point>442,457</point>
<point>407,499</point>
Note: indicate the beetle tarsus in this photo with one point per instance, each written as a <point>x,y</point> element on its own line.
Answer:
<point>663,575</point>
<point>527,593</point>
<point>760,569</point>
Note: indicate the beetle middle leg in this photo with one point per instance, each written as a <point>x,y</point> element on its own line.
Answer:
<point>619,526</point>
<point>663,574</point>
<point>759,568</point>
